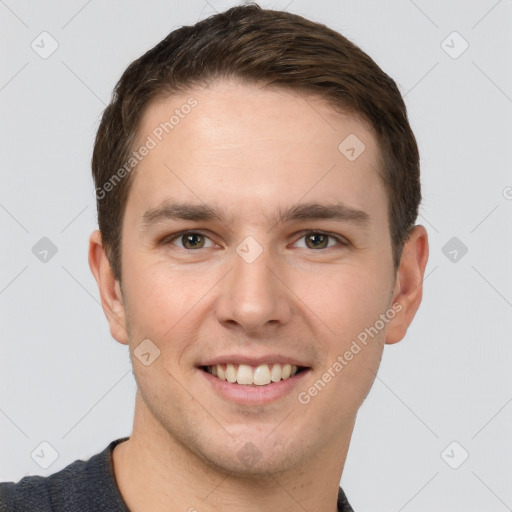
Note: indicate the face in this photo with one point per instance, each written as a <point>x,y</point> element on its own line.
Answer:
<point>251,238</point>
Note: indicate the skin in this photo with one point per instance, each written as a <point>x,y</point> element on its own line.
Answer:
<point>249,150</point>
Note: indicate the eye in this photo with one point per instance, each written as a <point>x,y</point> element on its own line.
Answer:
<point>190,240</point>
<point>193,240</point>
<point>319,240</point>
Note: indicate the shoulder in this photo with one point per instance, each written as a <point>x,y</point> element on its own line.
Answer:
<point>81,486</point>
<point>343,504</point>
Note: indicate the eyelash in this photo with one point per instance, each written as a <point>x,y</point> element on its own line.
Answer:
<point>341,241</point>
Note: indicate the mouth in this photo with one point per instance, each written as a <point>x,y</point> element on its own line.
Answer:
<point>247,375</point>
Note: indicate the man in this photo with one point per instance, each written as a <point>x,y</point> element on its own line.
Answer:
<point>257,185</point>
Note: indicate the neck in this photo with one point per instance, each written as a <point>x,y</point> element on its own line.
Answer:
<point>156,472</point>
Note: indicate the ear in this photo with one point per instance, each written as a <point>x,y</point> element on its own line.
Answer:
<point>408,288</point>
<point>110,290</point>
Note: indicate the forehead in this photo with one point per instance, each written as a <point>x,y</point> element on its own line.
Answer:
<point>235,144</point>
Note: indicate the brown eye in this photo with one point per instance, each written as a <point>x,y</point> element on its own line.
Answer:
<point>190,240</point>
<point>318,240</point>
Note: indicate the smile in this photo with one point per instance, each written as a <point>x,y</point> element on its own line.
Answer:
<point>261,375</point>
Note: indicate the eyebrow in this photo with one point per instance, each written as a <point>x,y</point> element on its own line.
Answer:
<point>171,210</point>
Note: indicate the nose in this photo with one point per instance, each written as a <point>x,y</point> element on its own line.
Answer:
<point>254,295</point>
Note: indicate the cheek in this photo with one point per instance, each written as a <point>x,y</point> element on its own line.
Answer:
<point>349,305</point>
<point>346,299</point>
<point>156,292</point>
<point>165,303</point>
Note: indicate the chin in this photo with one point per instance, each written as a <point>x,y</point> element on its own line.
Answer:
<point>252,455</point>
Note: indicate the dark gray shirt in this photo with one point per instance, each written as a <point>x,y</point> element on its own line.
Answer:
<point>82,486</point>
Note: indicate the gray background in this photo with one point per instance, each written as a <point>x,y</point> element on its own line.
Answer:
<point>66,382</point>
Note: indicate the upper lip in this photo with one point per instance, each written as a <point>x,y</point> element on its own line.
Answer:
<point>254,361</point>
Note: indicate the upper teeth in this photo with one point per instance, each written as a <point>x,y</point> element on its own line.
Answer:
<point>259,375</point>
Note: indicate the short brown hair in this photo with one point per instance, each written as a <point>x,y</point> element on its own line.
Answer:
<point>267,47</point>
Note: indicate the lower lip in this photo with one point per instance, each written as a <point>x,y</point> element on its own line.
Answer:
<point>253,394</point>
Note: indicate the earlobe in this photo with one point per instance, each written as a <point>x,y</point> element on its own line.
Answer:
<point>110,291</point>
<point>408,289</point>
